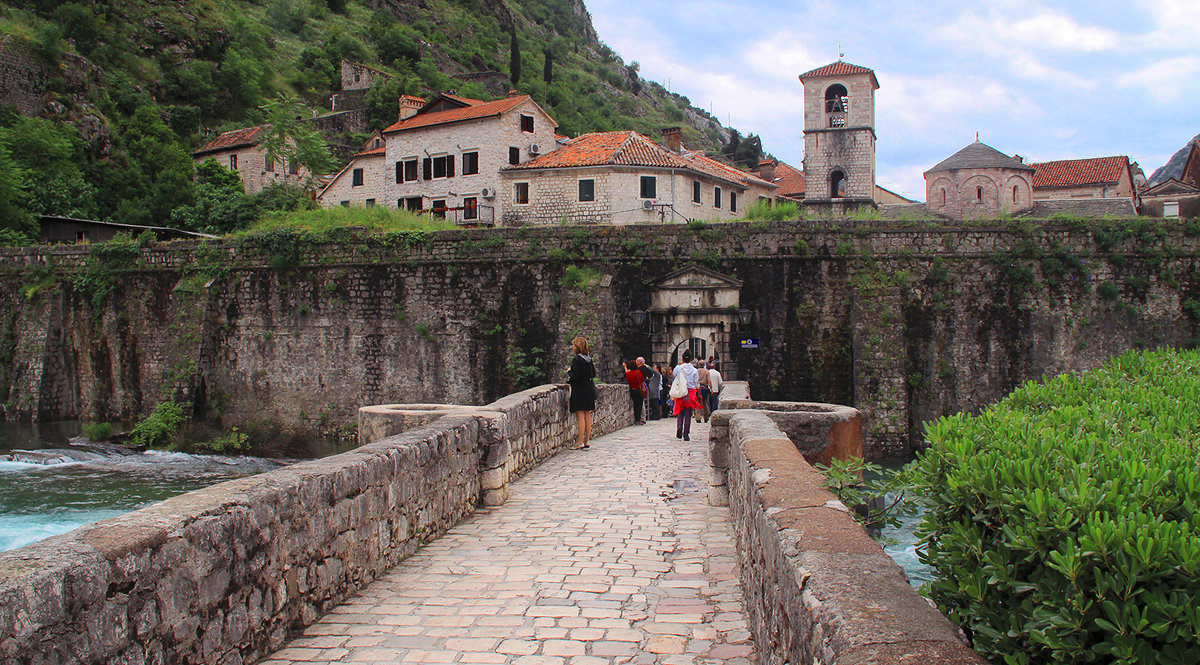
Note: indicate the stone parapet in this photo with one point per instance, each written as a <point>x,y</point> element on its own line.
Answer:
<point>817,588</point>
<point>224,574</point>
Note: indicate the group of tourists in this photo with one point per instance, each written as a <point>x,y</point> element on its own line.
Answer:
<point>691,387</point>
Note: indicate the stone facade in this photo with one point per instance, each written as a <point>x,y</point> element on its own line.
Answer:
<point>554,196</point>
<point>908,322</point>
<point>839,134</point>
<point>372,189</point>
<point>979,193</point>
<point>225,574</point>
<point>250,163</point>
<point>817,588</point>
<point>489,139</point>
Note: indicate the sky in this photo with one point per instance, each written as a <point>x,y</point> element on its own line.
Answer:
<point>1044,80</point>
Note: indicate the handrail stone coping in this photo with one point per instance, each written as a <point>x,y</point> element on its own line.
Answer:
<point>226,573</point>
<point>818,589</point>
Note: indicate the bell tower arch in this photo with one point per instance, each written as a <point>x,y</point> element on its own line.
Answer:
<point>839,136</point>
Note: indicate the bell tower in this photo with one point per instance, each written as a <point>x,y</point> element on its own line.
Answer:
<point>839,136</point>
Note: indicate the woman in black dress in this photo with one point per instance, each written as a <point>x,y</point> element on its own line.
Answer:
<point>583,390</point>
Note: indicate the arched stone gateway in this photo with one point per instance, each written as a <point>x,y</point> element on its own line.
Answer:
<point>695,308</point>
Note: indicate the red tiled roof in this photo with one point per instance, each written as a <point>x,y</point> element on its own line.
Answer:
<point>234,138</point>
<point>413,98</point>
<point>373,151</point>
<point>628,148</point>
<point>1076,172</point>
<point>838,68</point>
<point>790,180</point>
<point>477,109</point>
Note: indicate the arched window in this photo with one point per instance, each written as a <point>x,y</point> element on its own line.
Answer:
<point>837,104</point>
<point>979,194</point>
<point>837,185</point>
<point>1014,193</point>
<point>943,196</point>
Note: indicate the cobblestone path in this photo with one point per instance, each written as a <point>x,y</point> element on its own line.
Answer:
<point>607,555</point>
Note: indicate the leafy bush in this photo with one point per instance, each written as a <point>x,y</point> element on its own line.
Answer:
<point>230,443</point>
<point>157,429</point>
<point>97,431</point>
<point>1064,522</point>
<point>780,211</point>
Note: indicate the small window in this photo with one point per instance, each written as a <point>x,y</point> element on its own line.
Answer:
<point>732,201</point>
<point>837,185</point>
<point>294,167</point>
<point>470,163</point>
<point>1014,193</point>
<point>1171,209</point>
<point>412,203</point>
<point>344,204</point>
<point>357,176</point>
<point>233,162</point>
<point>587,190</point>
<point>526,123</point>
<point>716,197</point>
<point>649,187</point>
<point>439,208</point>
<point>470,208</point>
<point>695,191</point>
<point>270,166</point>
<point>406,170</point>
<point>514,155</point>
<point>370,203</point>
<point>943,196</point>
<point>443,167</point>
<point>521,193</point>
<point>979,194</point>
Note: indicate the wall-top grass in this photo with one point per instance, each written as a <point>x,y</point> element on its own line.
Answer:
<point>1064,522</point>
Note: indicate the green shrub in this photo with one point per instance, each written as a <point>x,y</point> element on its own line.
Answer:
<point>97,431</point>
<point>159,428</point>
<point>1064,522</point>
<point>232,442</point>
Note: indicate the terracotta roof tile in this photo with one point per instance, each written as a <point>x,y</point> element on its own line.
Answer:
<point>234,138</point>
<point>476,110</point>
<point>1075,172</point>
<point>373,151</point>
<point>628,148</point>
<point>838,68</point>
<point>790,180</point>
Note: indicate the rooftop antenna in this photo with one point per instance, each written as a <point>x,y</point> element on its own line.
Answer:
<point>841,52</point>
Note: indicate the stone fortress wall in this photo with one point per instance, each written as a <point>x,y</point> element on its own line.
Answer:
<point>224,574</point>
<point>906,322</point>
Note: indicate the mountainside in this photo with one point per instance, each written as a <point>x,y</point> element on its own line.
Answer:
<point>1174,166</point>
<point>109,99</point>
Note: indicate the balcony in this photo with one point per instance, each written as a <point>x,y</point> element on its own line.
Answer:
<point>479,215</point>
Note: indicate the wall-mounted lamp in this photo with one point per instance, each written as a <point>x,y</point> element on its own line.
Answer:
<point>638,318</point>
<point>745,316</point>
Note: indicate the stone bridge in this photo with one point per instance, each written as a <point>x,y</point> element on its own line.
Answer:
<point>476,535</point>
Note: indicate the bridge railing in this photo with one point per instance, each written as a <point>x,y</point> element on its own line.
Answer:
<point>817,588</point>
<point>226,573</point>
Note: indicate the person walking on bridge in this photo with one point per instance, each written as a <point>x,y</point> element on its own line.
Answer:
<point>684,405</point>
<point>583,391</point>
<point>637,390</point>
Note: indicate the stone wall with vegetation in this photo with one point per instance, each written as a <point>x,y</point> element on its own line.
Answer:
<point>225,574</point>
<point>818,589</point>
<point>906,320</point>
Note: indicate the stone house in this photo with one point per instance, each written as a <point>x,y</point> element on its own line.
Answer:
<point>626,178</point>
<point>346,187</point>
<point>979,182</point>
<point>1176,197</point>
<point>445,156</point>
<point>238,150</point>
<point>792,184</point>
<point>1092,178</point>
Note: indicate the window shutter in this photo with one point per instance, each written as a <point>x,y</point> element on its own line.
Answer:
<point>427,168</point>
<point>399,171</point>
<point>450,166</point>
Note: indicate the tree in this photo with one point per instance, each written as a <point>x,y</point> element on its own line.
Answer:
<point>291,141</point>
<point>514,57</point>
<point>161,170</point>
<point>16,224</point>
<point>47,157</point>
<point>221,206</point>
<point>548,70</point>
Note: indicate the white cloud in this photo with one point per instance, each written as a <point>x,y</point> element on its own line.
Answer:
<point>1168,80</point>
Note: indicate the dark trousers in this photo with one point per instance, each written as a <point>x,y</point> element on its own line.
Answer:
<point>636,396</point>
<point>655,409</point>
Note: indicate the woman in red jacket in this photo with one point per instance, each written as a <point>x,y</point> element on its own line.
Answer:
<point>637,390</point>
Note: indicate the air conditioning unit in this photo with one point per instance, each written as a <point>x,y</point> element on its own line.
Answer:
<point>647,205</point>
<point>535,149</point>
<point>487,192</point>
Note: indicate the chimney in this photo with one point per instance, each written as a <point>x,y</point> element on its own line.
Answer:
<point>408,106</point>
<point>766,170</point>
<point>672,138</point>
<point>513,93</point>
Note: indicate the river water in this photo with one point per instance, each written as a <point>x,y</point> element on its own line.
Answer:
<point>55,487</point>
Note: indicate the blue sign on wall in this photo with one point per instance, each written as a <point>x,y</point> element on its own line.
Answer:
<point>749,342</point>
